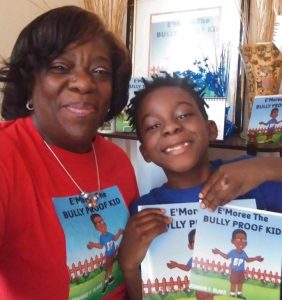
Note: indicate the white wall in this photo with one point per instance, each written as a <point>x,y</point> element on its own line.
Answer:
<point>15,14</point>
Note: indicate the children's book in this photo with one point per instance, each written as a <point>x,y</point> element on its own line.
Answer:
<point>122,124</point>
<point>166,267</point>
<point>92,238</point>
<point>237,253</point>
<point>265,123</point>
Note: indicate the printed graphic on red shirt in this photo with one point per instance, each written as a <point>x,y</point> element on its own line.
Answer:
<point>92,239</point>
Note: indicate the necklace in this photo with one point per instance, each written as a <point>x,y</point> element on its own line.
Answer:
<point>90,198</point>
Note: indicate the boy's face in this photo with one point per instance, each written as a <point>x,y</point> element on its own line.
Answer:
<point>174,133</point>
<point>99,224</point>
<point>274,114</point>
<point>240,241</point>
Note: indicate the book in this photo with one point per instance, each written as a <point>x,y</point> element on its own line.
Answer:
<point>265,124</point>
<point>121,122</point>
<point>92,237</point>
<point>165,268</point>
<point>216,112</point>
<point>239,245</point>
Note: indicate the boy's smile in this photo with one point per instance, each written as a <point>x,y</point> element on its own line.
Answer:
<point>174,133</point>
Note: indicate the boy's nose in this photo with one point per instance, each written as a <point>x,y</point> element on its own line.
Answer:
<point>171,127</point>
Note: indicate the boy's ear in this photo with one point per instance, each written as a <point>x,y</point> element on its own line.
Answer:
<point>144,153</point>
<point>212,128</point>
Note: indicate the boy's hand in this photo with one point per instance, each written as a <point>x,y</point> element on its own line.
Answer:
<point>232,180</point>
<point>140,230</point>
<point>215,251</point>
<point>172,264</point>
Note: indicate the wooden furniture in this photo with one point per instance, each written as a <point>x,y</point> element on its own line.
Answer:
<point>234,142</point>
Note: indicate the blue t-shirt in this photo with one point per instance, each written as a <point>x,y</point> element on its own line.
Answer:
<point>237,260</point>
<point>189,264</point>
<point>268,195</point>
<point>108,240</point>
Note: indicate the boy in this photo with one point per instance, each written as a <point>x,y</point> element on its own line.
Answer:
<point>271,124</point>
<point>187,267</point>
<point>238,257</point>
<point>107,240</point>
<point>174,131</point>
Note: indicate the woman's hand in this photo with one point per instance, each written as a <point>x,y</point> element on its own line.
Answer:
<point>234,179</point>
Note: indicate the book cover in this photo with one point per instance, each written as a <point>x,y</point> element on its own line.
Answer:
<point>237,253</point>
<point>121,122</point>
<point>265,123</point>
<point>216,112</point>
<point>166,267</point>
<point>92,239</point>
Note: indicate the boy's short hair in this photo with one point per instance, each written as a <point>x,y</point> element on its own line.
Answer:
<point>157,82</point>
<point>191,236</point>
<point>236,231</point>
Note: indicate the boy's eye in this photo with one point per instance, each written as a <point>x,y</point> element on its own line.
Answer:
<point>183,116</point>
<point>152,127</point>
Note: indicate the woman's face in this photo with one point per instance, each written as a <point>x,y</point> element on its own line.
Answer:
<point>72,95</point>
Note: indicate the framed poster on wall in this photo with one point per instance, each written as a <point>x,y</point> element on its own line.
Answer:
<point>181,35</point>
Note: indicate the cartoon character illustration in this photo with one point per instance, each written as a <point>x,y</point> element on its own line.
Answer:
<point>271,123</point>
<point>238,258</point>
<point>187,267</point>
<point>106,240</point>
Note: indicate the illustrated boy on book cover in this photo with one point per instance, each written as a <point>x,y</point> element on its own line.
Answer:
<point>237,265</point>
<point>187,267</point>
<point>265,124</point>
<point>237,253</point>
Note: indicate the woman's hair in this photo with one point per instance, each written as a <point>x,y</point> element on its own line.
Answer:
<point>165,80</point>
<point>44,39</point>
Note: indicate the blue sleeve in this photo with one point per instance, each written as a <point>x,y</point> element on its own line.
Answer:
<point>268,196</point>
<point>147,199</point>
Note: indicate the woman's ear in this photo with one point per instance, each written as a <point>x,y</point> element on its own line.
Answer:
<point>212,129</point>
<point>144,153</point>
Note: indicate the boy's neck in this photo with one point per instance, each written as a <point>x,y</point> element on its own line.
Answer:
<point>188,179</point>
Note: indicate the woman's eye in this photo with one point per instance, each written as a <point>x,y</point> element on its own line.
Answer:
<point>58,68</point>
<point>101,71</point>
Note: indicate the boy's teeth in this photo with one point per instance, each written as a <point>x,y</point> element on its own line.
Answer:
<point>169,149</point>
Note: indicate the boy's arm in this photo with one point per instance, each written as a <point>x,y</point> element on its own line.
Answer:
<point>217,251</point>
<point>234,179</point>
<point>92,245</point>
<point>140,230</point>
<point>118,234</point>
<point>258,258</point>
<point>173,264</point>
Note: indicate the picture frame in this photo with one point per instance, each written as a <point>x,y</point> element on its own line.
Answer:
<point>197,41</point>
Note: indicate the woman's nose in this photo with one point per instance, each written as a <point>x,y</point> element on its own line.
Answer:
<point>82,81</point>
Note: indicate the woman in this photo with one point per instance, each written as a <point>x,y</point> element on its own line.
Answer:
<point>66,76</point>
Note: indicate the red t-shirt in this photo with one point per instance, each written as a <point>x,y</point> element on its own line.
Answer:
<point>32,242</point>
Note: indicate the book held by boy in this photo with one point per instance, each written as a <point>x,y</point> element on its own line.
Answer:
<point>237,253</point>
<point>166,267</point>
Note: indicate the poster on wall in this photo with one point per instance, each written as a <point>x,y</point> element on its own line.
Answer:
<point>178,40</point>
